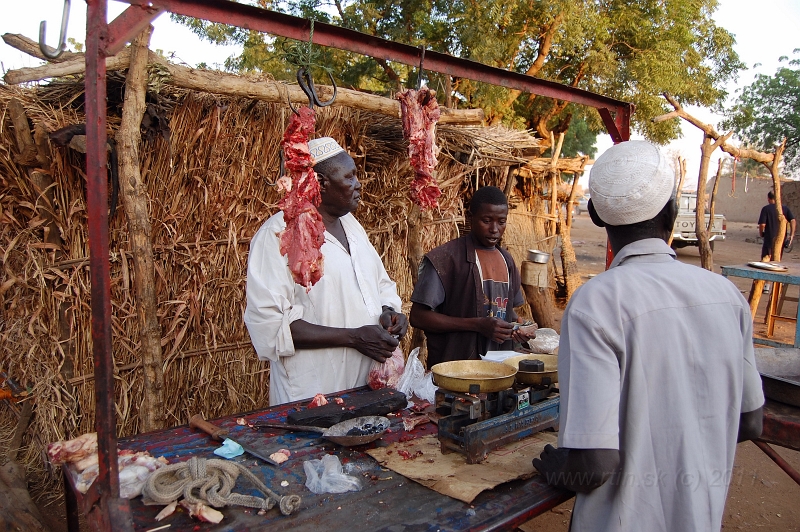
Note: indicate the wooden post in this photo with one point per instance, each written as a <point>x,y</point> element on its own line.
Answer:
<point>569,263</point>
<point>777,244</point>
<point>712,203</point>
<point>554,178</point>
<point>133,194</point>
<point>709,145</point>
<point>682,172</point>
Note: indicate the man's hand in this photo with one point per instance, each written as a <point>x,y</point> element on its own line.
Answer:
<point>551,464</point>
<point>579,470</point>
<point>523,333</point>
<point>373,341</point>
<point>496,329</point>
<point>395,323</point>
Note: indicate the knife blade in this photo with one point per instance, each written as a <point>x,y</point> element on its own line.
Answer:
<point>218,433</point>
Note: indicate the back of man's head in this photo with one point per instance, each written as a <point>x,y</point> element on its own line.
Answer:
<point>770,196</point>
<point>630,183</point>
<point>486,196</point>
<point>632,189</point>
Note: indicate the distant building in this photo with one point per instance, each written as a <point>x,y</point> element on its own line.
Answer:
<point>745,202</point>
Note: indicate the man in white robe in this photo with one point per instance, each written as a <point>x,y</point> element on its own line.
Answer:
<point>324,340</point>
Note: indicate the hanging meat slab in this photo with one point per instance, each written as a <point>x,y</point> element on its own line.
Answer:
<point>305,233</point>
<point>420,112</point>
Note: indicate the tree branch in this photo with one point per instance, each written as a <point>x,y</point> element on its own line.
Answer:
<point>545,45</point>
<point>759,156</point>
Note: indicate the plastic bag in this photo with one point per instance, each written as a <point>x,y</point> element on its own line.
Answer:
<point>386,374</point>
<point>415,381</point>
<point>546,341</point>
<point>326,476</point>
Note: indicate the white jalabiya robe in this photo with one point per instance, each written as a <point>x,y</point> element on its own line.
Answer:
<point>350,294</point>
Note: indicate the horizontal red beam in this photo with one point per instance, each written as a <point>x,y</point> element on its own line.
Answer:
<point>254,18</point>
<point>128,25</point>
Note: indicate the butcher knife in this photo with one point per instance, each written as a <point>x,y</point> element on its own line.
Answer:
<point>218,433</point>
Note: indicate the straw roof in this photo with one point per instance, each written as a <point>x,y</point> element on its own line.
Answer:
<point>209,185</point>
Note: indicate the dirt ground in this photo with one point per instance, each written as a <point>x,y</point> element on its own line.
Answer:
<point>761,494</point>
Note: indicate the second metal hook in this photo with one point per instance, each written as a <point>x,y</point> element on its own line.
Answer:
<point>62,38</point>
<point>421,68</point>
<point>306,82</point>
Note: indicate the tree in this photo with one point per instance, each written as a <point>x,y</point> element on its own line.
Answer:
<point>768,111</point>
<point>633,51</point>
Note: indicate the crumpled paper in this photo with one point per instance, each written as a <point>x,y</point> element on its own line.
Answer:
<point>229,449</point>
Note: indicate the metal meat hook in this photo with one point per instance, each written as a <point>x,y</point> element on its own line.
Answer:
<point>306,82</point>
<point>62,38</point>
<point>421,72</point>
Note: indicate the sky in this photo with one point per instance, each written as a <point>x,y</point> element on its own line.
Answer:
<point>763,34</point>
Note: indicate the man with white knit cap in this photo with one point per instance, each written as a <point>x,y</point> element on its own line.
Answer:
<point>323,340</point>
<point>656,370</point>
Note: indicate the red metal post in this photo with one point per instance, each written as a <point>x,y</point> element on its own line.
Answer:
<point>778,459</point>
<point>111,511</point>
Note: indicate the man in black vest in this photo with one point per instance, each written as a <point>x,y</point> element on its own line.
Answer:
<point>467,289</point>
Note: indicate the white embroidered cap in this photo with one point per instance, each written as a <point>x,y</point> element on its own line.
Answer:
<point>323,148</point>
<point>631,182</point>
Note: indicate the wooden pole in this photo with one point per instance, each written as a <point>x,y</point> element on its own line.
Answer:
<point>712,203</point>
<point>227,84</point>
<point>707,148</point>
<point>777,244</point>
<point>682,173</point>
<point>554,178</point>
<point>569,262</point>
<point>135,202</point>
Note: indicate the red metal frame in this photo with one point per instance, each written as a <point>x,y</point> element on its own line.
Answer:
<point>104,39</point>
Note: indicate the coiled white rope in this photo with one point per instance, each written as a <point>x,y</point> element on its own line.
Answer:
<point>211,481</point>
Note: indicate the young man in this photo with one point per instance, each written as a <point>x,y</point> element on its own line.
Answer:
<point>323,340</point>
<point>467,289</point>
<point>656,368</point>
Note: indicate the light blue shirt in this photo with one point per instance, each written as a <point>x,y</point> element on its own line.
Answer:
<point>656,360</point>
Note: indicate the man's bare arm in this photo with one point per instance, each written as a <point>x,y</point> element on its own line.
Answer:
<point>370,340</point>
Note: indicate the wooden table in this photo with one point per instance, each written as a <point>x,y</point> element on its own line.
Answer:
<point>387,501</point>
<point>790,277</point>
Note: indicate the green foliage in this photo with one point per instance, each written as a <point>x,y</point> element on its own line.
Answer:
<point>76,46</point>
<point>579,139</point>
<point>632,51</point>
<point>768,111</point>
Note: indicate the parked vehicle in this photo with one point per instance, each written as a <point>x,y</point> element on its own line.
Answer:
<point>582,205</point>
<point>683,232</point>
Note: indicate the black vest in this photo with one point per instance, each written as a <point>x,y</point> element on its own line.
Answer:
<point>464,298</point>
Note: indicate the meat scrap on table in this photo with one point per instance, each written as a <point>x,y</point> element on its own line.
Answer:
<point>420,112</point>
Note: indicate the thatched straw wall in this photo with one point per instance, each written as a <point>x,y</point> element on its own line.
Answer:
<point>209,189</point>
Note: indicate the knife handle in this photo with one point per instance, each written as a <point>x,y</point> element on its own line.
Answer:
<point>197,422</point>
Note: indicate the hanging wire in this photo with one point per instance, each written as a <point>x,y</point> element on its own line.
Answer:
<point>304,55</point>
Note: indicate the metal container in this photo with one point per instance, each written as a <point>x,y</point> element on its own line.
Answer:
<point>548,376</point>
<point>459,375</point>
<point>539,257</point>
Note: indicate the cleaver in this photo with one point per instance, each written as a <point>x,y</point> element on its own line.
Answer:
<point>218,433</point>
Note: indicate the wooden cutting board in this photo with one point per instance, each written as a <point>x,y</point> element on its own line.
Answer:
<point>373,403</point>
